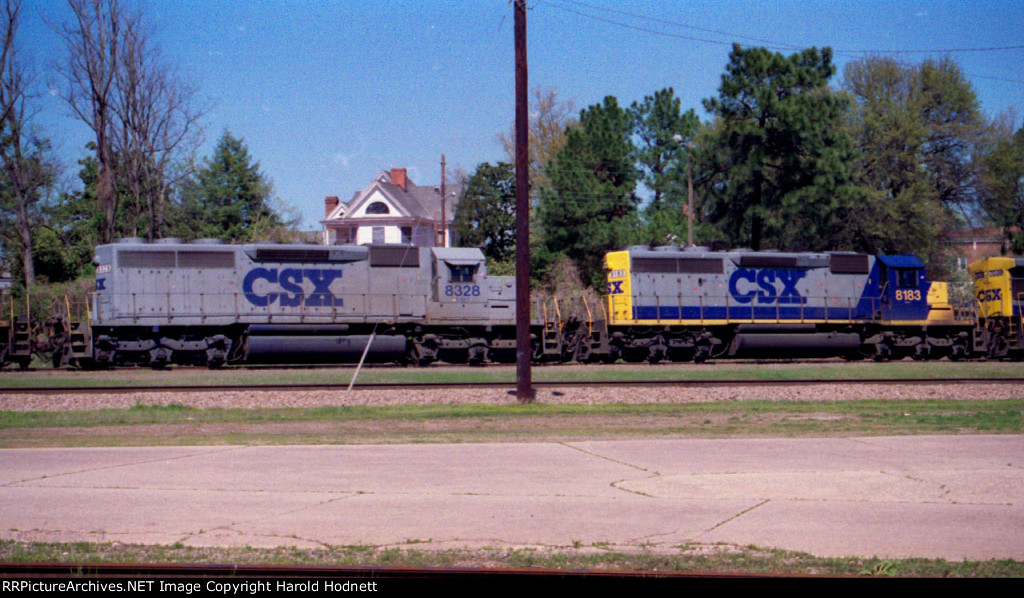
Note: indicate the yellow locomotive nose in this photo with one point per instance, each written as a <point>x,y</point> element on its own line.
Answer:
<point>993,285</point>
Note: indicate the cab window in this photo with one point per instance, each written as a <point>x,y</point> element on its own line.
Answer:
<point>461,273</point>
<point>906,278</point>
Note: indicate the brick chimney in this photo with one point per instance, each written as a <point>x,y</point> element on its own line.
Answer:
<point>398,178</point>
<point>330,202</point>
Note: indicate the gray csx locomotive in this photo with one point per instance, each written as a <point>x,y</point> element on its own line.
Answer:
<point>209,303</point>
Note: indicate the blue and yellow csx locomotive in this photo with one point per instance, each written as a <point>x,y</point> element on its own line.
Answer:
<point>683,304</point>
<point>999,292</point>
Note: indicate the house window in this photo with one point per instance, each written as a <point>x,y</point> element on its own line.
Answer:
<point>378,235</point>
<point>378,207</point>
<point>406,235</point>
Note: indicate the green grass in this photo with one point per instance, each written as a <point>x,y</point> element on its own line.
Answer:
<point>722,370</point>
<point>180,425</point>
<point>702,558</point>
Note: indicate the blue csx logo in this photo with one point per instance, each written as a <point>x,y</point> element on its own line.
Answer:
<point>290,280</point>
<point>990,295</point>
<point>745,285</point>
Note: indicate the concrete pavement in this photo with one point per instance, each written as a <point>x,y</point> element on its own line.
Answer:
<point>955,497</point>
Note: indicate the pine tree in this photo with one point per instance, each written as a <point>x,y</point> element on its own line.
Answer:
<point>486,216</point>
<point>780,160</point>
<point>591,206</point>
<point>665,133</point>
<point>228,198</point>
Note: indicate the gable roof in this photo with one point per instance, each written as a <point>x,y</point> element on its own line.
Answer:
<point>414,201</point>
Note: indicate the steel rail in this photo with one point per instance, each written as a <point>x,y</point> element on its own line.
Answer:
<point>342,386</point>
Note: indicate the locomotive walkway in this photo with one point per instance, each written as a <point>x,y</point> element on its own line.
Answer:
<point>953,497</point>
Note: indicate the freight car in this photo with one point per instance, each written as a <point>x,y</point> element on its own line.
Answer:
<point>210,303</point>
<point>15,332</point>
<point>693,304</point>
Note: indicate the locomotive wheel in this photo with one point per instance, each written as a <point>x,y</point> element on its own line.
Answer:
<point>421,354</point>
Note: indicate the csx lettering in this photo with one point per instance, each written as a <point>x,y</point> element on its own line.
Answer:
<point>761,284</point>
<point>290,281</point>
<point>615,287</point>
<point>990,295</point>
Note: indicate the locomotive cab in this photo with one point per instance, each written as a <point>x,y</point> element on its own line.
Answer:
<point>905,286</point>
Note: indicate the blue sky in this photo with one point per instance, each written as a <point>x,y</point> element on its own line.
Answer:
<point>328,93</point>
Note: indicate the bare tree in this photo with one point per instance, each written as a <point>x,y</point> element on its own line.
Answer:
<point>25,170</point>
<point>550,118</point>
<point>159,123</point>
<point>144,116</point>
<point>90,69</point>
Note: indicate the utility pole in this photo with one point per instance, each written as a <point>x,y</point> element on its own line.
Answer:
<point>689,190</point>
<point>524,382</point>
<point>444,216</point>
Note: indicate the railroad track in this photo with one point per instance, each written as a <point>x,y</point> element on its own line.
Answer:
<point>121,389</point>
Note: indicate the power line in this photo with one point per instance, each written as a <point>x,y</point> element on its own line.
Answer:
<point>773,45</point>
<point>645,29</point>
<point>770,44</point>
<point>675,23</point>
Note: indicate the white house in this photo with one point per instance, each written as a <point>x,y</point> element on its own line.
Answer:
<point>391,210</point>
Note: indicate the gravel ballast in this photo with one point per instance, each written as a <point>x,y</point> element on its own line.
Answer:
<point>568,395</point>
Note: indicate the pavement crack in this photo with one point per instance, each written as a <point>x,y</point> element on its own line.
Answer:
<point>127,464</point>
<point>609,459</point>
<point>736,516</point>
<point>616,483</point>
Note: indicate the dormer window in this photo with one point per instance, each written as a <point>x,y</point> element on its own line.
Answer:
<point>378,207</point>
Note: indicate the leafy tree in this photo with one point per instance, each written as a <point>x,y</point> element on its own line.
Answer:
<point>951,115</point>
<point>1003,188</point>
<point>228,198</point>
<point>780,161</point>
<point>591,206</point>
<point>485,216</point>
<point>917,129</point>
<point>901,212</point>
